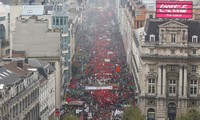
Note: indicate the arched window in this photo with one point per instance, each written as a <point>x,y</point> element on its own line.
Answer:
<point>150,114</point>
<point>171,111</point>
<point>152,38</point>
<point>2,32</point>
<point>194,38</point>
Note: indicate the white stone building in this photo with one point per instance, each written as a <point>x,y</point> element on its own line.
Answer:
<point>166,54</point>
<point>47,87</point>
<point>40,36</point>
<point>19,91</point>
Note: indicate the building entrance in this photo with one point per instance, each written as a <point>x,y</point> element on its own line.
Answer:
<point>171,111</point>
<point>151,114</point>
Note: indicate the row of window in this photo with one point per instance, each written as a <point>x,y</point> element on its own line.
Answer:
<point>172,87</point>
<point>43,92</point>
<point>59,20</point>
<point>173,51</point>
<point>19,107</point>
<point>173,38</point>
<point>19,88</point>
<point>172,68</point>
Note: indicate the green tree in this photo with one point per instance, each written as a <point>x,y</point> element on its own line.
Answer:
<point>131,113</point>
<point>191,115</point>
<point>70,116</point>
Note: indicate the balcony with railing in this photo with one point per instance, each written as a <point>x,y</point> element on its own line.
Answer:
<point>5,97</point>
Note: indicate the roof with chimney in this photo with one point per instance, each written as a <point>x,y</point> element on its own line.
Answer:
<point>19,67</point>
<point>152,27</point>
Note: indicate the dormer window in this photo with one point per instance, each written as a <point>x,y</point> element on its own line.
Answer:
<point>173,37</point>
<point>152,38</point>
<point>194,38</point>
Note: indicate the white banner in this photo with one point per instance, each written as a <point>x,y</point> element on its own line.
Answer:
<point>98,88</point>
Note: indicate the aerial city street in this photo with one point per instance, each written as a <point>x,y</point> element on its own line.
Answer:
<point>103,81</point>
<point>99,60</point>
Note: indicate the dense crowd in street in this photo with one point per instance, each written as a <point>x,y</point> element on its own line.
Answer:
<point>102,57</point>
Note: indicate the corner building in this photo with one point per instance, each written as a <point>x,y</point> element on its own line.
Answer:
<point>168,67</point>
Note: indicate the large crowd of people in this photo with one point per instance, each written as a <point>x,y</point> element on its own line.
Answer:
<point>102,58</point>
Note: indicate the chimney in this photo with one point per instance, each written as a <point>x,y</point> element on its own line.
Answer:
<point>20,64</point>
<point>26,60</point>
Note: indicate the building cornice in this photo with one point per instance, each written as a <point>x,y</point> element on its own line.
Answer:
<point>189,58</point>
<point>172,45</point>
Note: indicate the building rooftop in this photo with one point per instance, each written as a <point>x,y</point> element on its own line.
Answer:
<point>7,77</point>
<point>44,67</point>
<point>33,36</point>
<point>152,27</point>
<point>48,7</point>
<point>29,10</point>
<point>19,67</point>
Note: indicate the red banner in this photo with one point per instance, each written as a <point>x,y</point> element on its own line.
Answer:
<point>57,112</point>
<point>174,9</point>
<point>117,69</point>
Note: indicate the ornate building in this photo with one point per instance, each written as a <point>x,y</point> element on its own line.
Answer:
<point>166,55</point>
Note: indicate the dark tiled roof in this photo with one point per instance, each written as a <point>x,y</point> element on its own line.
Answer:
<point>42,66</point>
<point>48,7</point>
<point>22,72</point>
<point>152,27</point>
<point>7,77</point>
<point>193,29</point>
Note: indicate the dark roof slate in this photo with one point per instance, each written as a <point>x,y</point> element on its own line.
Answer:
<point>7,77</point>
<point>152,27</point>
<point>42,66</point>
<point>48,7</point>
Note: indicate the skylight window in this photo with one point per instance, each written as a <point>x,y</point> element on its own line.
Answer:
<point>2,75</point>
<point>5,73</point>
<point>9,71</point>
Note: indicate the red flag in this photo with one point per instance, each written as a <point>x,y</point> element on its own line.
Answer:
<point>117,69</point>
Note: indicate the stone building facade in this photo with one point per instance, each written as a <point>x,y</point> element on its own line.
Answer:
<point>168,67</point>
<point>19,92</point>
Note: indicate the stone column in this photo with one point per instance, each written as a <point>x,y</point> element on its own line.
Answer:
<point>180,80</point>
<point>159,81</point>
<point>185,82</point>
<point>11,113</point>
<point>164,80</point>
